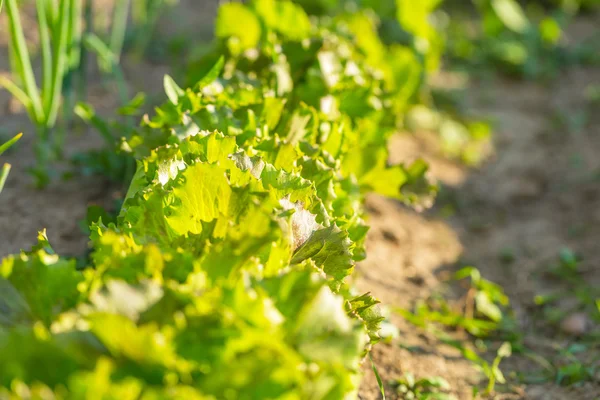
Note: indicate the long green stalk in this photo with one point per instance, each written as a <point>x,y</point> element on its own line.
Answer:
<point>82,70</point>
<point>108,58</point>
<point>46,48</point>
<point>72,77</point>
<point>22,62</point>
<point>119,28</point>
<point>75,34</point>
<point>51,11</point>
<point>13,59</point>
<point>59,62</point>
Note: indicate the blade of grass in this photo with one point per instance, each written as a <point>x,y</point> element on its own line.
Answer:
<point>19,94</point>
<point>25,71</point>
<point>12,141</point>
<point>6,166</point>
<point>46,53</point>
<point>95,44</point>
<point>59,62</point>
<point>379,381</point>
<point>4,175</point>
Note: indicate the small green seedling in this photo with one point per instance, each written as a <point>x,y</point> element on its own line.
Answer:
<point>488,297</point>
<point>481,313</point>
<point>492,370</point>
<point>410,388</point>
<point>575,371</point>
<point>569,273</point>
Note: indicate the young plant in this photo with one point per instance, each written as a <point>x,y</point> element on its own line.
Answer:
<point>108,61</point>
<point>492,370</point>
<point>568,271</point>
<point>434,388</point>
<point>59,34</point>
<point>109,47</point>
<point>574,371</point>
<point>480,311</point>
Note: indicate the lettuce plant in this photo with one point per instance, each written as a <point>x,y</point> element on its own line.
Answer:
<point>226,273</point>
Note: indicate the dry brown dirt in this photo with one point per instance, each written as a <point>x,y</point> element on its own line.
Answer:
<point>537,194</point>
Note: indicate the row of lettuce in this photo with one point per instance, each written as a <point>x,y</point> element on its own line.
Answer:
<point>225,275</point>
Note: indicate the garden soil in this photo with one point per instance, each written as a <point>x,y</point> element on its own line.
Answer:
<point>540,192</point>
<point>537,194</point>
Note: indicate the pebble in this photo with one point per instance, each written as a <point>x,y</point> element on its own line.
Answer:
<point>575,324</point>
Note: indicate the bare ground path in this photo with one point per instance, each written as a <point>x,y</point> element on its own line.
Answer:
<point>539,193</point>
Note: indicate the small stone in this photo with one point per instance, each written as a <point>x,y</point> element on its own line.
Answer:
<point>575,324</point>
